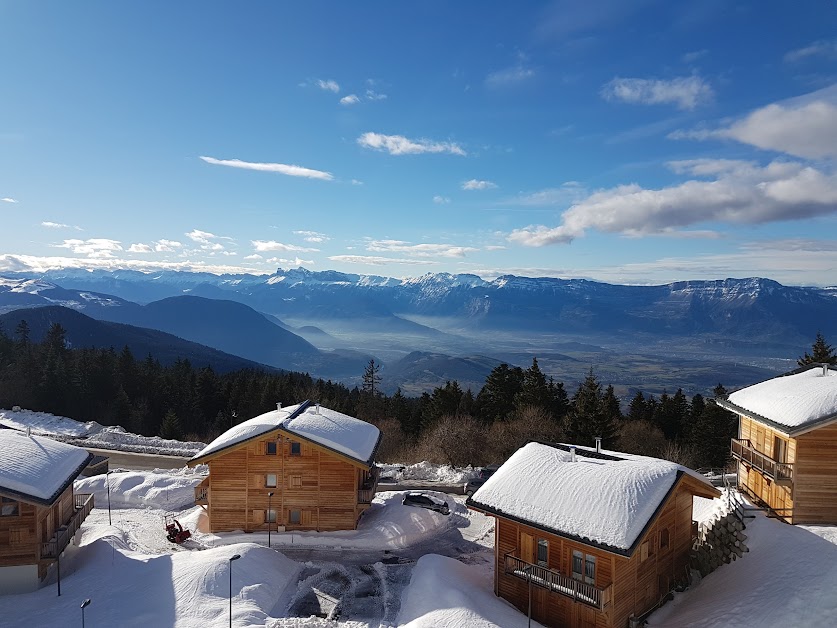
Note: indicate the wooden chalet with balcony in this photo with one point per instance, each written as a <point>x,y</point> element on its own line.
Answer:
<point>39,513</point>
<point>302,467</point>
<point>786,450</point>
<point>589,538</point>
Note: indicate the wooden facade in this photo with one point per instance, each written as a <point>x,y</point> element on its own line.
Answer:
<point>794,476</point>
<point>574,583</point>
<point>314,488</point>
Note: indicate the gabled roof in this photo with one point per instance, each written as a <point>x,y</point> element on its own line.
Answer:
<point>793,403</point>
<point>335,431</point>
<point>37,469</point>
<point>602,499</point>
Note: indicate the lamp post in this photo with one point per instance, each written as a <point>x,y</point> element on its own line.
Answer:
<point>84,605</point>
<point>269,526</point>
<point>232,558</point>
<point>107,481</point>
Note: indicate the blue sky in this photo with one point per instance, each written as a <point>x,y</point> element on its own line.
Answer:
<point>637,142</point>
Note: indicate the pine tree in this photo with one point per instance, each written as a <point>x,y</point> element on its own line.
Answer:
<point>710,436</point>
<point>534,390</point>
<point>821,353</point>
<point>588,418</point>
<point>170,427</point>
<point>495,401</point>
<point>371,378</point>
<point>638,410</point>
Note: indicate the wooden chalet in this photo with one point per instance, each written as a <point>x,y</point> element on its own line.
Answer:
<point>317,463</point>
<point>786,448</point>
<point>588,538</point>
<point>39,513</point>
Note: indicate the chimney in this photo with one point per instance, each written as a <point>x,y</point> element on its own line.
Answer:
<point>317,411</point>
<point>278,405</point>
<point>572,453</point>
<point>598,444</point>
<point>28,431</point>
<point>825,370</point>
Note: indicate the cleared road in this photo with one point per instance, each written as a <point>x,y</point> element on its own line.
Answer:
<point>138,462</point>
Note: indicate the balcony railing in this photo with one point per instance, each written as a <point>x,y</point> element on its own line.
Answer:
<point>366,492</point>
<point>202,493</point>
<point>780,472</point>
<point>83,504</point>
<point>578,591</point>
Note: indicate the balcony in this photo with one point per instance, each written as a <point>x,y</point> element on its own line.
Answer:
<point>366,492</point>
<point>597,597</point>
<point>52,549</point>
<point>202,493</point>
<point>779,472</point>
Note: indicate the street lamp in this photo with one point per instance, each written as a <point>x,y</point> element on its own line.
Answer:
<point>84,605</point>
<point>107,481</point>
<point>269,497</point>
<point>232,558</point>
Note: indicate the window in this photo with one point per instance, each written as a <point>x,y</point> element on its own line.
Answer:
<point>9,508</point>
<point>270,480</point>
<point>664,538</point>
<point>270,448</point>
<point>584,567</point>
<point>543,552</point>
<point>578,565</point>
<point>590,569</point>
<point>296,448</point>
<point>271,516</point>
<point>294,517</point>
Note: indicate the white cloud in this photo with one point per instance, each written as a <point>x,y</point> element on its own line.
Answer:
<point>495,247</point>
<point>441,200</point>
<point>822,48</point>
<point>373,95</point>
<point>328,85</point>
<point>166,246</point>
<point>7,199</point>
<point>294,262</point>
<point>351,99</point>
<point>208,241</point>
<point>93,247</point>
<point>805,127</point>
<point>419,250</point>
<point>694,55</point>
<point>140,248</point>
<point>289,170</point>
<point>730,192</point>
<point>400,145</point>
<point>33,263</point>
<point>686,92</point>
<point>475,184</point>
<point>271,245</point>
<point>313,236</point>
<point>374,260</point>
<point>254,256</point>
<point>568,192</point>
<point>54,225</point>
<point>357,182</point>
<point>509,76</point>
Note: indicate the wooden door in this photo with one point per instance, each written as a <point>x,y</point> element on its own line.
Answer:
<point>527,547</point>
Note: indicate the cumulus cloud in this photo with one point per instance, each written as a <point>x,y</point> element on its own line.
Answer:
<point>686,92</point>
<point>400,145</point>
<point>93,247</point>
<point>475,184</point>
<point>822,48</point>
<point>373,95</point>
<point>419,250</point>
<point>32,263</point>
<point>328,85</point>
<point>351,99</point>
<point>7,199</point>
<point>805,128</point>
<point>441,200</point>
<point>140,248</point>
<point>293,262</point>
<point>271,245</point>
<point>725,191</point>
<point>208,241</point>
<point>289,170</point>
<point>374,260</point>
<point>313,236</point>
<point>167,246</point>
<point>254,256</point>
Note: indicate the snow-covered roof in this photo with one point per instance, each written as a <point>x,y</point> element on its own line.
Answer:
<point>339,432</point>
<point>601,499</point>
<point>794,401</point>
<point>36,468</point>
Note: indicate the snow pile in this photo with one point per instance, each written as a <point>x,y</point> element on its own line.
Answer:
<point>444,592</point>
<point>335,430</point>
<point>428,472</point>
<point>605,501</point>
<point>93,434</point>
<point>787,579</point>
<point>792,400</point>
<point>129,489</point>
<point>37,466</point>
<point>185,589</point>
<point>387,524</point>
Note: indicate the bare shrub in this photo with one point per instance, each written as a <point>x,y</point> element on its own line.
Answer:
<point>455,440</point>
<point>641,437</point>
<point>528,424</point>
<point>394,442</point>
<point>678,453</point>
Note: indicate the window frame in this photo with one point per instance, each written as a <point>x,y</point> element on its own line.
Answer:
<point>10,505</point>
<point>291,517</point>
<point>665,538</point>
<point>296,445</point>
<point>270,515</point>
<point>543,544</point>
<point>267,477</point>
<point>271,444</point>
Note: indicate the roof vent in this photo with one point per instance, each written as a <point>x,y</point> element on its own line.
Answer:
<point>28,430</point>
<point>572,453</point>
<point>278,405</point>
<point>825,370</point>
<point>598,444</point>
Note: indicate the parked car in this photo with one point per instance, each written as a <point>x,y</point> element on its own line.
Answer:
<point>474,483</point>
<point>423,500</point>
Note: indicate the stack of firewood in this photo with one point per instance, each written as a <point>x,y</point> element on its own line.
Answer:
<point>721,538</point>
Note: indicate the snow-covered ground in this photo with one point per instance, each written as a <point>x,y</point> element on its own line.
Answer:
<point>427,472</point>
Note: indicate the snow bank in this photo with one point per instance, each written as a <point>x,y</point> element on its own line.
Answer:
<point>185,589</point>
<point>787,579</point>
<point>46,423</point>
<point>444,592</point>
<point>428,472</point>
<point>131,489</point>
<point>115,437</point>
<point>792,400</point>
